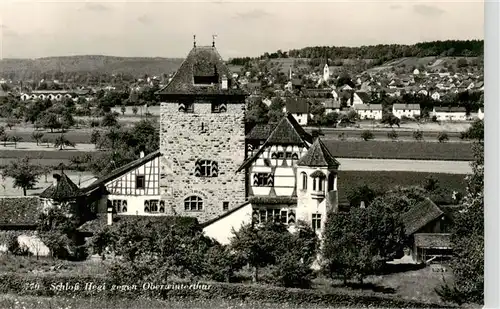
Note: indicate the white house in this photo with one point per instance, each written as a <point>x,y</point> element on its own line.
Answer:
<point>298,107</point>
<point>289,179</point>
<point>134,189</point>
<point>436,96</point>
<point>407,110</point>
<point>331,105</point>
<point>449,113</point>
<point>369,111</point>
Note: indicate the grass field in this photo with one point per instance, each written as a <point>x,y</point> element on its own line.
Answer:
<point>400,150</point>
<point>340,149</point>
<point>10,301</point>
<point>415,285</point>
<point>382,180</point>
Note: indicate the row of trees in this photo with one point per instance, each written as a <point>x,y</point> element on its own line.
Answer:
<point>383,53</point>
<point>156,251</point>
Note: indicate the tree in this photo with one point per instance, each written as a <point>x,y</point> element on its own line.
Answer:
<point>467,240</point>
<point>5,138</point>
<point>135,110</point>
<point>352,115</point>
<point>24,173</point>
<point>123,109</point>
<point>12,123</point>
<point>257,112</point>
<point>275,115</point>
<point>50,121</point>
<point>359,242</point>
<point>367,135</point>
<point>443,137</point>
<point>390,119</point>
<point>16,139</point>
<point>67,120</point>
<point>37,136</point>
<point>360,194</point>
<point>475,132</point>
<point>109,120</point>
<point>392,135</point>
<point>61,141</point>
<point>418,135</point>
<point>95,138</point>
<point>431,184</point>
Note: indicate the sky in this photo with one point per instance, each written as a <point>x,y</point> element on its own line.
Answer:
<point>33,29</point>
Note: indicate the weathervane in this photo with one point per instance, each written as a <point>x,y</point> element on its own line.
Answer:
<point>214,36</point>
<point>194,40</point>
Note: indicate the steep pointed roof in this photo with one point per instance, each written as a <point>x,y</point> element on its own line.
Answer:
<point>318,156</point>
<point>201,61</point>
<point>287,132</point>
<point>65,189</point>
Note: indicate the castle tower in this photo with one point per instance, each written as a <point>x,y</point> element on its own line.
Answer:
<point>316,185</point>
<point>202,137</point>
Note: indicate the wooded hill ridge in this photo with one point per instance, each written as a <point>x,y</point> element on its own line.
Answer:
<point>380,53</point>
<point>24,69</point>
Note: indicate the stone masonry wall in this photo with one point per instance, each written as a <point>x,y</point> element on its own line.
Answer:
<point>183,142</point>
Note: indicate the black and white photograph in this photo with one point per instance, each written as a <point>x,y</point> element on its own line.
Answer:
<point>237,154</point>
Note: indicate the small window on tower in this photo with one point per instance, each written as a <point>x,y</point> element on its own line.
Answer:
<point>219,108</point>
<point>225,206</point>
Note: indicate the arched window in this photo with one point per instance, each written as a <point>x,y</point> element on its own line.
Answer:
<point>304,180</point>
<point>295,156</point>
<point>193,203</point>
<point>321,182</point>
<point>124,206</point>
<point>162,206</point>
<point>146,206</point>
<point>274,155</point>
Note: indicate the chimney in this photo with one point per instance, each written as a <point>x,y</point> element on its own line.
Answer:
<point>57,177</point>
<point>141,154</point>
<point>110,214</point>
<point>224,82</point>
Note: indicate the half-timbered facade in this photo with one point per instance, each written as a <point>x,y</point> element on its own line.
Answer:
<point>134,189</point>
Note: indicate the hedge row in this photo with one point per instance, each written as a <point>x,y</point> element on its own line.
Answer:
<point>55,286</point>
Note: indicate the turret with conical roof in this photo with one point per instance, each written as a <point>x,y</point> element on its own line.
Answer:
<point>317,185</point>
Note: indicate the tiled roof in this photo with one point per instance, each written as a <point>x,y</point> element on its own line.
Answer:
<point>227,213</point>
<point>272,200</point>
<point>296,105</point>
<point>365,97</point>
<point>449,109</point>
<point>19,210</point>
<point>121,171</point>
<point>318,155</point>
<point>406,106</point>
<point>420,215</point>
<point>368,107</point>
<point>261,131</point>
<point>433,240</point>
<point>201,61</point>
<point>286,132</point>
<point>65,189</point>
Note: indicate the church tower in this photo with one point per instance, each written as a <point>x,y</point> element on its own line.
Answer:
<point>202,137</point>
